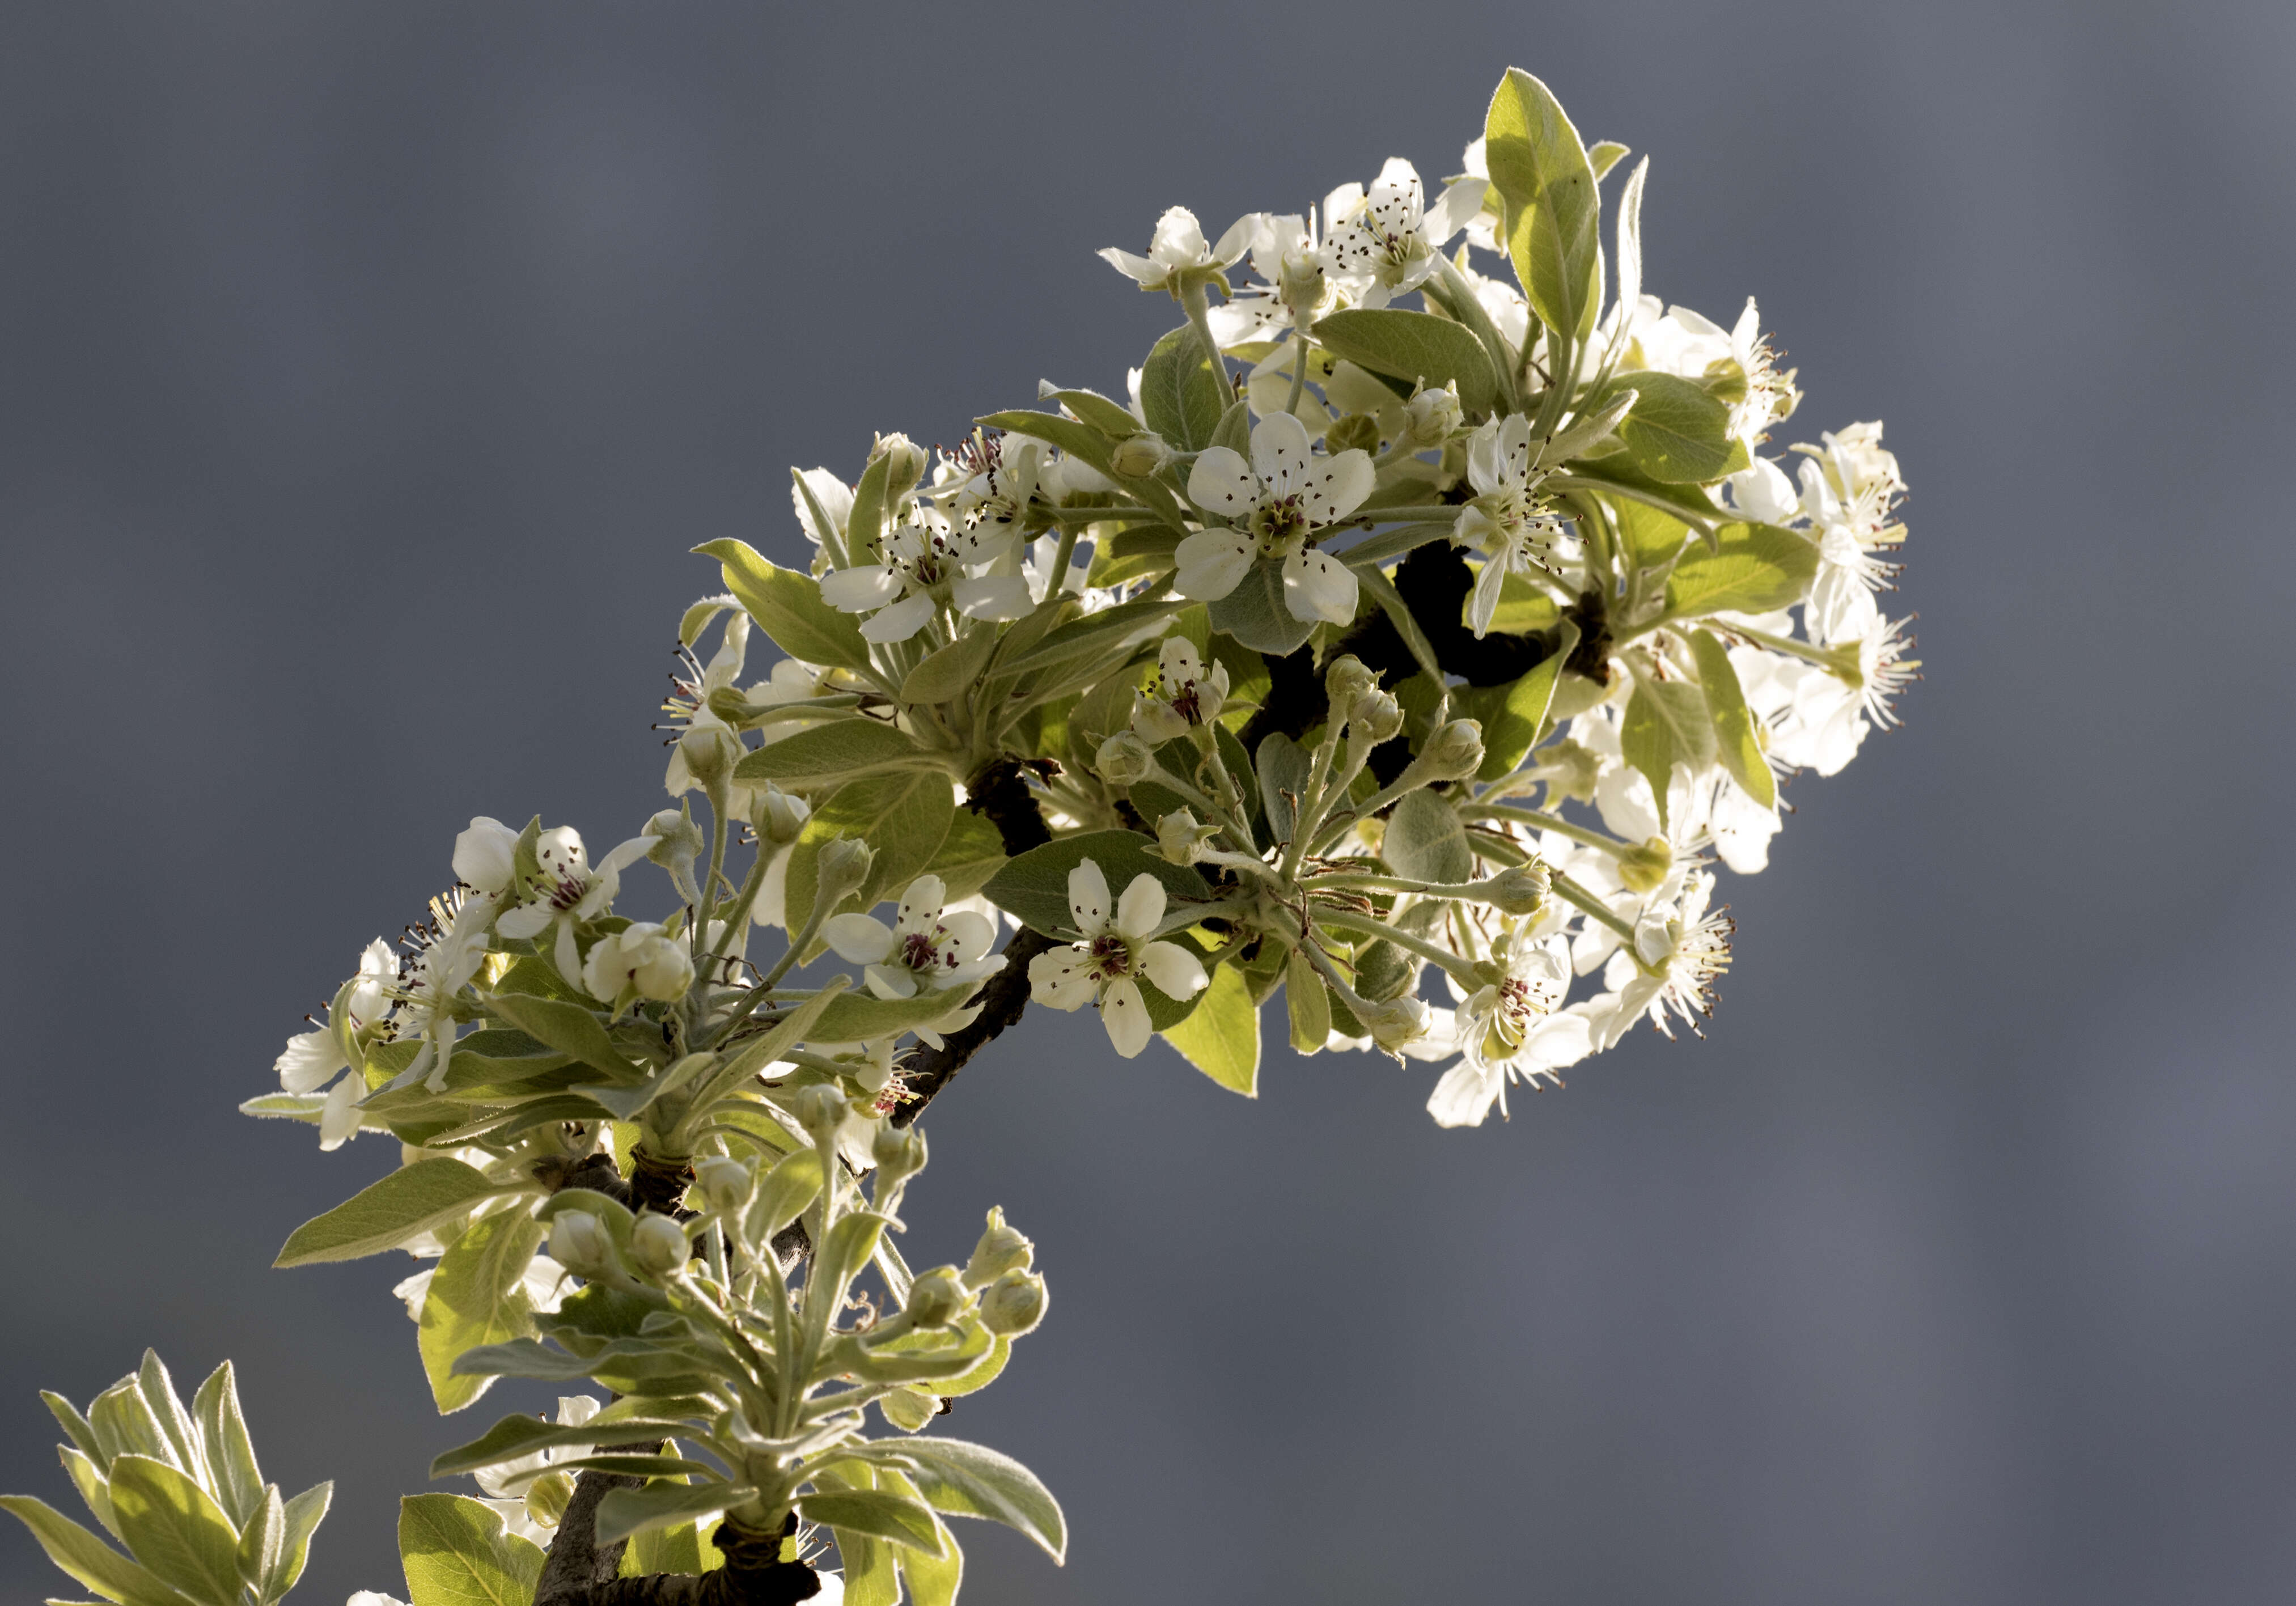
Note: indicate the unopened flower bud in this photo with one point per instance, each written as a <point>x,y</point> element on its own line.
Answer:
<point>1643,867</point>
<point>776,816</point>
<point>579,1242</point>
<point>1124,760</point>
<point>1396,1022</point>
<point>899,1152</point>
<point>1013,1304</point>
<point>485,856</point>
<point>1431,416</point>
<point>1002,1249</point>
<point>1453,752</point>
<point>843,865</point>
<point>821,1107</point>
<point>1521,891</point>
<point>1300,280</point>
<point>1356,432</point>
<point>904,464</point>
<point>1180,837</point>
<point>658,1244</point>
<point>935,1298</point>
<point>1346,678</point>
<point>710,751</point>
<point>1137,456</point>
<point>1155,720</point>
<point>725,1183</point>
<point>641,958</point>
<point>1376,714</point>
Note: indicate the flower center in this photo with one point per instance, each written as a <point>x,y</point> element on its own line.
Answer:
<point>1280,525</point>
<point>1109,956</point>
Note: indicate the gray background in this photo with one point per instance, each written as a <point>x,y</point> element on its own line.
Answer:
<point>368,369</point>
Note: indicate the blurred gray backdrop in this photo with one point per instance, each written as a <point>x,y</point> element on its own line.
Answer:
<point>368,369</point>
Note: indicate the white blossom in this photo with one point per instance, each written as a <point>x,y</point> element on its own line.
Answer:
<point>1116,946</point>
<point>1384,241</point>
<point>1273,506</point>
<point>641,960</point>
<point>1182,697</point>
<point>928,949</point>
<point>924,566</point>
<point>1681,948</point>
<point>1508,521</point>
<point>1177,248</point>
<point>570,891</point>
<point>311,1059</point>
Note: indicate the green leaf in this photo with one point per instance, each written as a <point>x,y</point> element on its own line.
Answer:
<point>1753,569</point>
<point>1678,431</point>
<point>788,607</point>
<point>784,1193</point>
<point>1111,417</point>
<point>1221,1038</point>
<point>520,1435</point>
<point>175,1426</point>
<point>1511,729</point>
<point>262,1540</point>
<point>1234,431</point>
<point>1035,886</point>
<point>951,674</point>
<point>230,1452</point>
<point>1425,841</point>
<point>305,1512</point>
<point>457,1552</point>
<point>124,1423</point>
<point>1735,743</point>
<point>1652,537</point>
<point>411,1199</point>
<point>1306,1004</point>
<point>879,1513</point>
<point>88,1479</point>
<point>1414,346</point>
<point>857,1016</point>
<point>570,1028</point>
<point>477,1298</point>
<point>1126,624</point>
<point>1089,444</point>
<point>1617,471</point>
<point>1254,613</point>
<point>968,855</point>
<point>829,754</point>
<point>903,813</point>
<point>86,1558</point>
<point>961,1480</point>
<point>626,1511</point>
<point>1181,396</point>
<point>76,1427</point>
<point>1283,765</point>
<point>1666,724</point>
<point>1552,210</point>
<point>932,1579</point>
<point>176,1531</point>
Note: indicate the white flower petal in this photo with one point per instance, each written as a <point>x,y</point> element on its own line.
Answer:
<point>1178,974</point>
<point>1221,482</point>
<point>1000,596</point>
<point>1319,587</point>
<point>888,981</point>
<point>970,935</point>
<point>1335,487</point>
<point>526,920</point>
<point>1140,907</point>
<point>857,939</point>
<point>1279,453</point>
<point>1464,1095</point>
<point>1212,563</point>
<point>339,1119</point>
<point>1125,1017</point>
<point>900,622</point>
<point>859,590</point>
<point>1088,904</point>
<point>308,1060</point>
<point>1061,980</point>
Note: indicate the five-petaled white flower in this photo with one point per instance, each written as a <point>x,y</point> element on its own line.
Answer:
<point>569,890</point>
<point>1273,506</point>
<point>1178,249</point>
<point>1296,288</point>
<point>1850,488</point>
<point>1386,241</point>
<point>926,949</point>
<point>924,567</point>
<point>1681,948</point>
<point>452,945</point>
<point>311,1058</point>
<point>1182,697</point>
<point>1510,1029</point>
<point>1117,947</point>
<point>1508,521</point>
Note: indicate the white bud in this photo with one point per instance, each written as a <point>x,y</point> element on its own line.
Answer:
<point>1396,1022</point>
<point>579,1242</point>
<point>659,1244</point>
<point>1376,714</point>
<point>1430,417</point>
<point>1013,1304</point>
<point>1002,1249</point>
<point>641,957</point>
<point>935,1299</point>
<point>1346,678</point>
<point>1180,838</point>
<point>485,856</point>
<point>904,464</point>
<point>1124,760</point>
<point>821,1107</point>
<point>710,751</point>
<point>843,865</point>
<point>1453,752</point>
<point>724,1182</point>
<point>1521,891</point>
<point>777,817</point>
<point>899,1152</point>
<point>1137,456</point>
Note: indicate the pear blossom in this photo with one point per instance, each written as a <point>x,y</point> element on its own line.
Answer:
<point>640,960</point>
<point>924,567</point>
<point>1508,521</point>
<point>1679,948</point>
<point>1508,1029</point>
<point>570,891</point>
<point>485,856</point>
<point>1117,946</point>
<point>812,489</point>
<point>1273,506</point>
<point>1850,488</point>
<point>1182,697</point>
<point>1687,344</point>
<point>1815,717</point>
<point>450,948</point>
<point>311,1059</point>
<point>688,705</point>
<point>1177,251</point>
<point>1385,241</point>
<point>1295,288</point>
<point>928,949</point>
